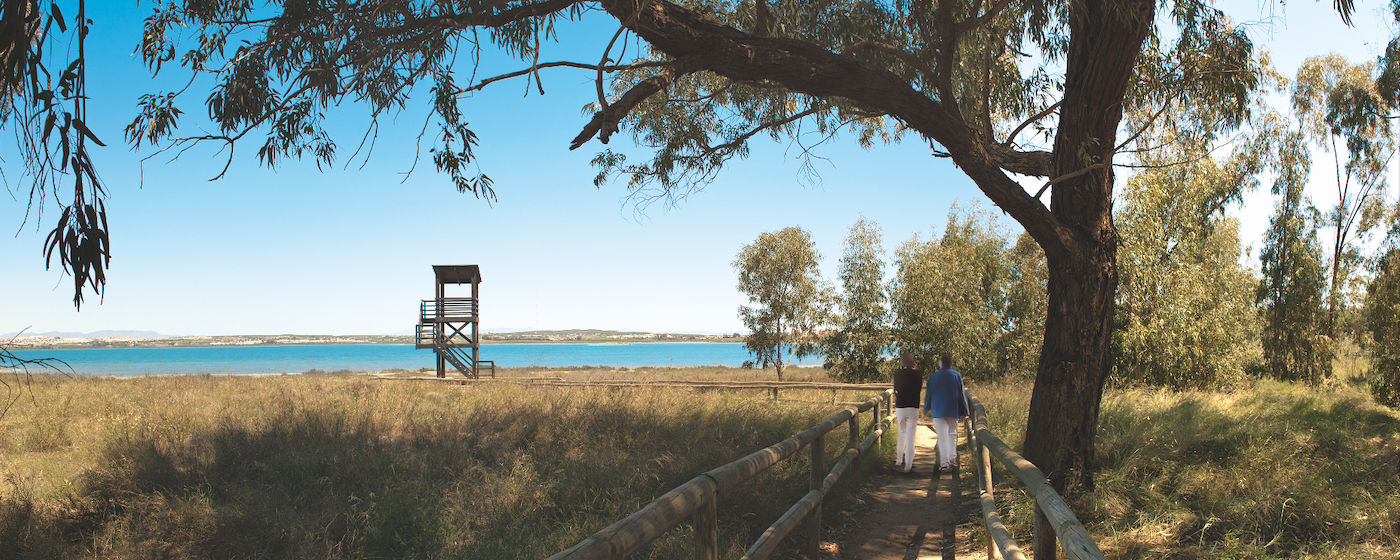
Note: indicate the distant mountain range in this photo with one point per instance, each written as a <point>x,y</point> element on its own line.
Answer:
<point>97,334</point>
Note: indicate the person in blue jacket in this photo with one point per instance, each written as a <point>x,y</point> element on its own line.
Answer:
<point>945,405</point>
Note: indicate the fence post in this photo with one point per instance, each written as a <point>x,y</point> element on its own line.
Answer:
<point>853,442</point>
<point>706,521</point>
<point>1044,539</point>
<point>818,475</point>
<point>875,425</point>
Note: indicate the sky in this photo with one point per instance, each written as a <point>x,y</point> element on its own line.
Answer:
<point>349,250</point>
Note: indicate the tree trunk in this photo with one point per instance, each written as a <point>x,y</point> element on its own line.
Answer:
<point>1106,36</point>
<point>1064,409</point>
<point>778,351</point>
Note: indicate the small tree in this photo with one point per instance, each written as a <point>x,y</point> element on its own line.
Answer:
<point>855,351</point>
<point>778,272</point>
<point>1383,320</point>
<point>1337,101</point>
<point>950,295</point>
<point>1185,304</point>
<point>1023,323</point>
<point>1291,293</point>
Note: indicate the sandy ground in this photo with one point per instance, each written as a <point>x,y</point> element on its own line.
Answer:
<point>913,516</point>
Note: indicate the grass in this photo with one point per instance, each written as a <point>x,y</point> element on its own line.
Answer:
<point>337,466</point>
<point>1267,470</point>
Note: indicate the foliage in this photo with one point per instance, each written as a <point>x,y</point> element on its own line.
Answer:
<point>1383,321</point>
<point>862,339</point>
<point>1023,320</point>
<point>46,105</point>
<point>778,272</point>
<point>278,68</point>
<point>1336,100</point>
<point>1185,305</point>
<point>950,296</point>
<point>1291,293</point>
<point>344,467</point>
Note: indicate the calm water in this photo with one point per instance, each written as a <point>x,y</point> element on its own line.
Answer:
<point>374,357</point>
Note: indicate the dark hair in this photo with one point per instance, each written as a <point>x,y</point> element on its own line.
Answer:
<point>946,361</point>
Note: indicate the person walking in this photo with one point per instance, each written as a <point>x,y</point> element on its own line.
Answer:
<point>945,404</point>
<point>907,382</point>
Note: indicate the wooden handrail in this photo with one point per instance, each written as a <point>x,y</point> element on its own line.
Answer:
<point>785,524</point>
<point>698,497</point>
<point>1073,537</point>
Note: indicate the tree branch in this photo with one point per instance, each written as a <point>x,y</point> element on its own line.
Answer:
<point>604,123</point>
<point>806,68</point>
<point>899,53</point>
<point>1048,110</point>
<point>987,18</point>
<point>561,64</point>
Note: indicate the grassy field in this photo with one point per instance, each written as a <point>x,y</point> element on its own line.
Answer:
<point>337,466</point>
<point>1266,470</point>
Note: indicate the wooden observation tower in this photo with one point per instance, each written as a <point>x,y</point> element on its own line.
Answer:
<point>450,325</point>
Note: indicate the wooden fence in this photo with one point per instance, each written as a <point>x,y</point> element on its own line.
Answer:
<point>697,499</point>
<point>1052,517</point>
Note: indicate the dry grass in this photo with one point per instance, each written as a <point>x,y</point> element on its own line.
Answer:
<point>1268,470</point>
<point>337,466</point>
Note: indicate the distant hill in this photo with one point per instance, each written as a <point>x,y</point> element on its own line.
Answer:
<point>586,333</point>
<point>96,334</point>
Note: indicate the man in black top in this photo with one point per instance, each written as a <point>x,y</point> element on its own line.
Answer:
<point>907,383</point>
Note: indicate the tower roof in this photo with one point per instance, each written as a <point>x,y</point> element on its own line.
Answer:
<point>457,273</point>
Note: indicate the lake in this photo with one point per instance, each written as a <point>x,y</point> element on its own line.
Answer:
<point>376,357</point>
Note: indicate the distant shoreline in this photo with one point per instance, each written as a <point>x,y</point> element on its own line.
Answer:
<point>53,343</point>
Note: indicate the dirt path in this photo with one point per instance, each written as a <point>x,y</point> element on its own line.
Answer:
<point>921,515</point>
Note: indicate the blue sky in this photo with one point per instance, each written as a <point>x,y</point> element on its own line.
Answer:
<point>349,251</point>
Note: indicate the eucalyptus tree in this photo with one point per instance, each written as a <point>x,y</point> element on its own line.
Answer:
<point>1382,314</point>
<point>1023,321</point>
<point>862,338</point>
<point>1338,103</point>
<point>778,272</point>
<point>1292,291</point>
<point>949,295</point>
<point>1186,304</point>
<point>717,75</point>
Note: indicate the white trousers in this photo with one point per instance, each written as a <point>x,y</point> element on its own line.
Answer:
<point>947,430</point>
<point>908,421</point>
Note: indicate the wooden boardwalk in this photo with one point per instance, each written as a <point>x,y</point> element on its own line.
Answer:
<point>921,515</point>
